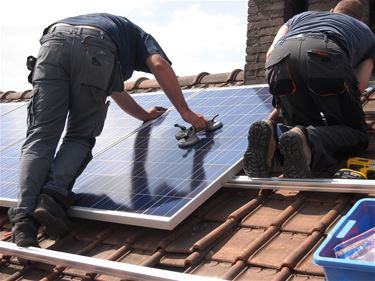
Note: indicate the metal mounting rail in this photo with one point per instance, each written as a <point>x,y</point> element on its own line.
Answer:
<point>112,268</point>
<point>324,185</point>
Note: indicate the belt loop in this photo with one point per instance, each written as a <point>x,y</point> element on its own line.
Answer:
<point>52,29</point>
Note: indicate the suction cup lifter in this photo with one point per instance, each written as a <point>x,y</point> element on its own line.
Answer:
<point>188,136</point>
<point>213,124</point>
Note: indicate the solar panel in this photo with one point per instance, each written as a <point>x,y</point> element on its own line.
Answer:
<point>5,108</point>
<point>12,124</point>
<point>147,180</point>
<point>140,176</point>
<point>118,124</point>
<point>13,132</point>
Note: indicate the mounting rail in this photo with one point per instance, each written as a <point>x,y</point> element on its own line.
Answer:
<point>323,185</point>
<point>112,268</point>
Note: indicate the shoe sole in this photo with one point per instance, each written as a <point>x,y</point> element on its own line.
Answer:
<point>260,144</point>
<point>27,243</point>
<point>54,227</point>
<point>296,165</point>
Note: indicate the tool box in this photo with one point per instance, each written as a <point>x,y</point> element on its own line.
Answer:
<point>359,219</point>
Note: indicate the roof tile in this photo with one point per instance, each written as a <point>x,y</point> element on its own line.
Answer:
<point>299,277</point>
<point>154,259</point>
<point>262,274</point>
<point>313,216</point>
<point>123,234</point>
<point>245,209</point>
<point>173,260</point>
<point>269,213</point>
<point>214,235</point>
<point>136,257</point>
<point>257,243</point>
<point>277,250</point>
<point>230,204</point>
<point>190,239</point>
<point>306,264</point>
<point>229,250</point>
<point>211,268</point>
<point>150,240</point>
<point>301,250</point>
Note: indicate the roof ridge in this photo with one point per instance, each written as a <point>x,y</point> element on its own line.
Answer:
<point>145,85</point>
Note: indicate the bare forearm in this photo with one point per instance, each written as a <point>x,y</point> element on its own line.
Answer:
<point>128,104</point>
<point>274,115</point>
<point>167,80</point>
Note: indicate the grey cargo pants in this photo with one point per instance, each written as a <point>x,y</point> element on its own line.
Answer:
<point>310,75</point>
<point>72,78</point>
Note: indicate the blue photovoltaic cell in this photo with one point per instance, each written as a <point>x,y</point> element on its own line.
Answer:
<point>13,131</point>
<point>143,178</point>
<point>12,124</point>
<point>119,124</point>
<point>5,108</point>
<point>147,174</point>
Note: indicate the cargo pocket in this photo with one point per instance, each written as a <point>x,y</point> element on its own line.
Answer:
<point>31,107</point>
<point>278,75</point>
<point>48,62</point>
<point>102,115</point>
<point>98,64</point>
<point>327,71</point>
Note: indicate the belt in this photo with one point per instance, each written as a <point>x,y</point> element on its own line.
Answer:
<point>78,29</point>
<point>322,36</point>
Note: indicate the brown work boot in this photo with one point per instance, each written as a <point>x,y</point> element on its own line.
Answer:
<point>52,215</point>
<point>297,154</point>
<point>258,158</point>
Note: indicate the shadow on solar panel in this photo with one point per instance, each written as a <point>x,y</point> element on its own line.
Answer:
<point>147,180</point>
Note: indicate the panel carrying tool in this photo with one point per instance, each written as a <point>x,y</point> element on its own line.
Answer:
<point>213,124</point>
<point>186,137</point>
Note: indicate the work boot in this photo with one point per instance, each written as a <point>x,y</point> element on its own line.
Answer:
<point>258,158</point>
<point>297,154</point>
<point>51,214</point>
<point>24,231</point>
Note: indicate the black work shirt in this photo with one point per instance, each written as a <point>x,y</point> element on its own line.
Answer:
<point>134,44</point>
<point>355,36</point>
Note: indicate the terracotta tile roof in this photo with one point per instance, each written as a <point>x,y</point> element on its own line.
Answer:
<point>269,236</point>
<point>237,234</point>
<point>202,80</point>
<point>145,85</point>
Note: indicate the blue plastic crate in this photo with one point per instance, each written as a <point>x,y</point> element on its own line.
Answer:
<point>360,218</point>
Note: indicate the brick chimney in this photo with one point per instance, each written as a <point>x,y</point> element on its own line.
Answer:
<point>265,17</point>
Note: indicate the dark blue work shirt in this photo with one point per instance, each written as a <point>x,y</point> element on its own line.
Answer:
<point>350,33</point>
<point>134,44</point>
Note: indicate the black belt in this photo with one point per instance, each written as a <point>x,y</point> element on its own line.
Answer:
<point>81,29</point>
<point>321,36</point>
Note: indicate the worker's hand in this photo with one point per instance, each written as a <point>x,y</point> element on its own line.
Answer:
<point>198,121</point>
<point>155,112</point>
